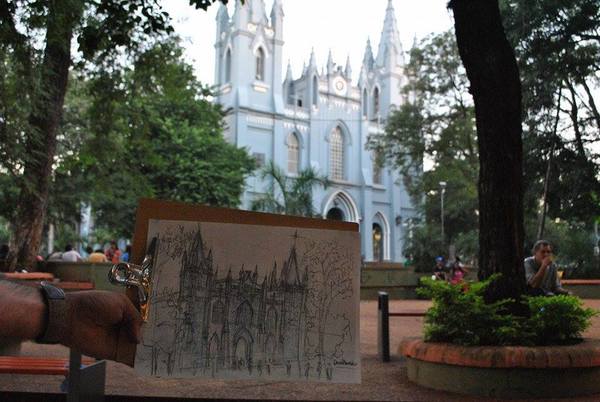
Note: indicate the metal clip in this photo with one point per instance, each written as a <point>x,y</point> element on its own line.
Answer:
<point>138,276</point>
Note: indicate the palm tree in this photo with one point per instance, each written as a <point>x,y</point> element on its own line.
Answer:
<point>288,195</point>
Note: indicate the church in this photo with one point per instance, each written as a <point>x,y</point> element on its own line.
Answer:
<point>321,119</point>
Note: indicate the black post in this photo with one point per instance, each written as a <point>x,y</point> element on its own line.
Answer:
<point>383,327</point>
<point>85,384</point>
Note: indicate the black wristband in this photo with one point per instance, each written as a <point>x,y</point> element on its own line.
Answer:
<point>56,314</point>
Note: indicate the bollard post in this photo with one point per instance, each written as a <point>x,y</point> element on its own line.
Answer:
<point>85,384</point>
<point>383,327</point>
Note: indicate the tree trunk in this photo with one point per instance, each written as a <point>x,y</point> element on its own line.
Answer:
<point>493,73</point>
<point>592,103</point>
<point>574,114</point>
<point>45,119</point>
<point>555,139</point>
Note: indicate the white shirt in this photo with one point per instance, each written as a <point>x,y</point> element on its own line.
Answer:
<point>72,256</point>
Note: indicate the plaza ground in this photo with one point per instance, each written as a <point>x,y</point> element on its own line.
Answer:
<point>380,381</point>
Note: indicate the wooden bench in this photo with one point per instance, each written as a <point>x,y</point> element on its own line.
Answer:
<point>84,382</point>
<point>33,278</point>
<point>28,276</point>
<point>37,365</point>
<point>383,324</point>
<point>70,286</point>
<point>584,288</point>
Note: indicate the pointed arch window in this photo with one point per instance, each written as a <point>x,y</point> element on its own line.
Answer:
<point>260,64</point>
<point>315,91</point>
<point>377,242</point>
<point>375,103</point>
<point>293,153</point>
<point>365,104</point>
<point>228,65</point>
<point>336,154</point>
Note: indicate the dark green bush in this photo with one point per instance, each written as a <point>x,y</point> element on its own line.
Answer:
<point>459,315</point>
<point>557,319</point>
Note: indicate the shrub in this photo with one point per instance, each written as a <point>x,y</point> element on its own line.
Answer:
<point>459,315</point>
<point>557,319</point>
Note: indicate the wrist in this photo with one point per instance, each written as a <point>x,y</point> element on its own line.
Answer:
<point>38,311</point>
<point>54,322</point>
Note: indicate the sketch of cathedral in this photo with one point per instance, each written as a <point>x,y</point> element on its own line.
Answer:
<point>291,314</point>
<point>240,321</point>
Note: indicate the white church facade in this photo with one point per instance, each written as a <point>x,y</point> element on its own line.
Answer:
<point>321,119</point>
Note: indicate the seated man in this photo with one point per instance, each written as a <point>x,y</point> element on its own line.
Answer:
<point>540,271</point>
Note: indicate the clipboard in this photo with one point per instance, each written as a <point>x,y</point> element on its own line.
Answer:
<point>137,275</point>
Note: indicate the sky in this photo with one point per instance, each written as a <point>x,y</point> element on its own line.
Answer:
<point>340,25</point>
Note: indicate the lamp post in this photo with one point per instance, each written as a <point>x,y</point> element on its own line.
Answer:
<point>442,192</point>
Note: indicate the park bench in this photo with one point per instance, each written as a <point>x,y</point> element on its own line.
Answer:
<point>37,365</point>
<point>383,324</point>
<point>29,276</point>
<point>584,288</point>
<point>33,278</point>
<point>86,378</point>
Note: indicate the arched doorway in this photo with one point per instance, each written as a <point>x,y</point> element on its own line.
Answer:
<point>381,238</point>
<point>335,214</point>
<point>340,206</point>
<point>242,353</point>
<point>377,242</point>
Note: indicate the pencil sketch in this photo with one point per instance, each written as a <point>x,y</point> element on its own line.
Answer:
<point>247,301</point>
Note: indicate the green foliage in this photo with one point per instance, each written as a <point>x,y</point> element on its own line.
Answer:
<point>288,195</point>
<point>557,320</point>
<point>437,127</point>
<point>557,48</point>
<point>460,315</point>
<point>149,130</point>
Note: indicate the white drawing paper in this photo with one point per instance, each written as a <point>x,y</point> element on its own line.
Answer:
<point>239,301</point>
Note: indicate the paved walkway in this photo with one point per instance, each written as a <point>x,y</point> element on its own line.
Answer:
<point>380,381</point>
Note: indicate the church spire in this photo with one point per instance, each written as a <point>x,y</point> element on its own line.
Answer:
<point>368,57</point>
<point>330,64</point>
<point>389,53</point>
<point>288,73</point>
<point>258,15</point>
<point>222,16</point>
<point>312,63</point>
<point>277,19</point>
<point>348,69</point>
<point>240,15</point>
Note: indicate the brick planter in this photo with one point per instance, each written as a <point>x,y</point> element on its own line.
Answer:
<point>505,372</point>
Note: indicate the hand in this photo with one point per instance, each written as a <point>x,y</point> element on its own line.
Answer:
<point>96,318</point>
<point>547,261</point>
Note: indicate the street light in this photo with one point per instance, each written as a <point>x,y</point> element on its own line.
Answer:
<point>442,191</point>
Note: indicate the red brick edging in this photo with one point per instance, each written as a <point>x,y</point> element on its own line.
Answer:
<point>585,354</point>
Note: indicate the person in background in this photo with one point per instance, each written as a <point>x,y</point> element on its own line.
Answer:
<point>55,256</point>
<point>541,272</point>
<point>127,254</point>
<point>439,273</point>
<point>70,254</point>
<point>113,254</point>
<point>457,271</point>
<point>95,256</point>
